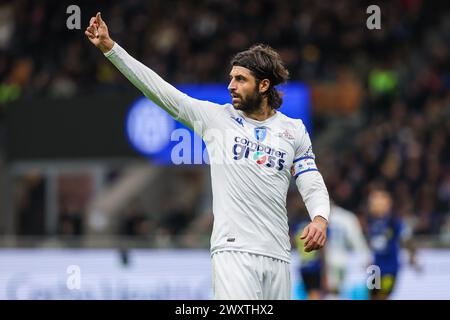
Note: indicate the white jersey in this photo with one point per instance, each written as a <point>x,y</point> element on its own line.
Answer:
<point>345,236</point>
<point>251,164</point>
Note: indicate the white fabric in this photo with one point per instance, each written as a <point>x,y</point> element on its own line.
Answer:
<point>251,164</point>
<point>345,236</point>
<point>246,276</point>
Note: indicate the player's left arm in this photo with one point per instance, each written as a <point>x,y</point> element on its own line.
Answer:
<point>314,193</point>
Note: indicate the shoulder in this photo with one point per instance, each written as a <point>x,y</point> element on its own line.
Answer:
<point>212,111</point>
<point>207,103</point>
<point>218,108</point>
<point>228,109</point>
<point>292,128</point>
<point>291,123</point>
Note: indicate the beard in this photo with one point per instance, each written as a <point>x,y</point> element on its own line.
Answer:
<point>250,104</point>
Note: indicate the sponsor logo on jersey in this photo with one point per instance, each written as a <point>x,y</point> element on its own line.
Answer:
<point>260,157</point>
<point>286,135</point>
<point>261,154</point>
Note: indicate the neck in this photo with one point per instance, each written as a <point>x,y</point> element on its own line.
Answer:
<point>264,112</point>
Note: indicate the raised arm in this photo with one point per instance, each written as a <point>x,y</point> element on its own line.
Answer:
<point>176,103</point>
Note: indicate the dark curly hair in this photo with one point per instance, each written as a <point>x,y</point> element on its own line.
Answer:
<point>264,63</point>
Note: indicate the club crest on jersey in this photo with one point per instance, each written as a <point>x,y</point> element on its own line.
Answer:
<point>260,133</point>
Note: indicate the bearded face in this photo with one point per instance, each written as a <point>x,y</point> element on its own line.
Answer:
<point>244,90</point>
<point>249,103</point>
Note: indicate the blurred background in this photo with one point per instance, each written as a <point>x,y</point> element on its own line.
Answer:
<point>85,170</point>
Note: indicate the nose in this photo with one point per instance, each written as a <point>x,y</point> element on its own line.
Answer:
<point>231,86</point>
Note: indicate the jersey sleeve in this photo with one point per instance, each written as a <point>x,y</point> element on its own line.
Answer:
<point>196,114</point>
<point>307,177</point>
<point>304,159</point>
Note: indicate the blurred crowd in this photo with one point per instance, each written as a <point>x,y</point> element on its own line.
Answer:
<point>188,41</point>
<point>407,152</point>
<point>402,137</point>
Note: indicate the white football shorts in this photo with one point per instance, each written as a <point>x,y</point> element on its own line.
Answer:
<point>239,275</point>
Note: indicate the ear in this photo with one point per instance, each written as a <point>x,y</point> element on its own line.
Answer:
<point>264,85</point>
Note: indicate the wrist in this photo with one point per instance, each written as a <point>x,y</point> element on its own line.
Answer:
<point>107,45</point>
<point>321,220</point>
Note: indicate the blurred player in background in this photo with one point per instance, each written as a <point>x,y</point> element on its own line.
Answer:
<point>253,150</point>
<point>346,240</point>
<point>323,273</point>
<point>386,233</point>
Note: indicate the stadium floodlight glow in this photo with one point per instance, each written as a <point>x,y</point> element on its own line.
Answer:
<point>151,131</point>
